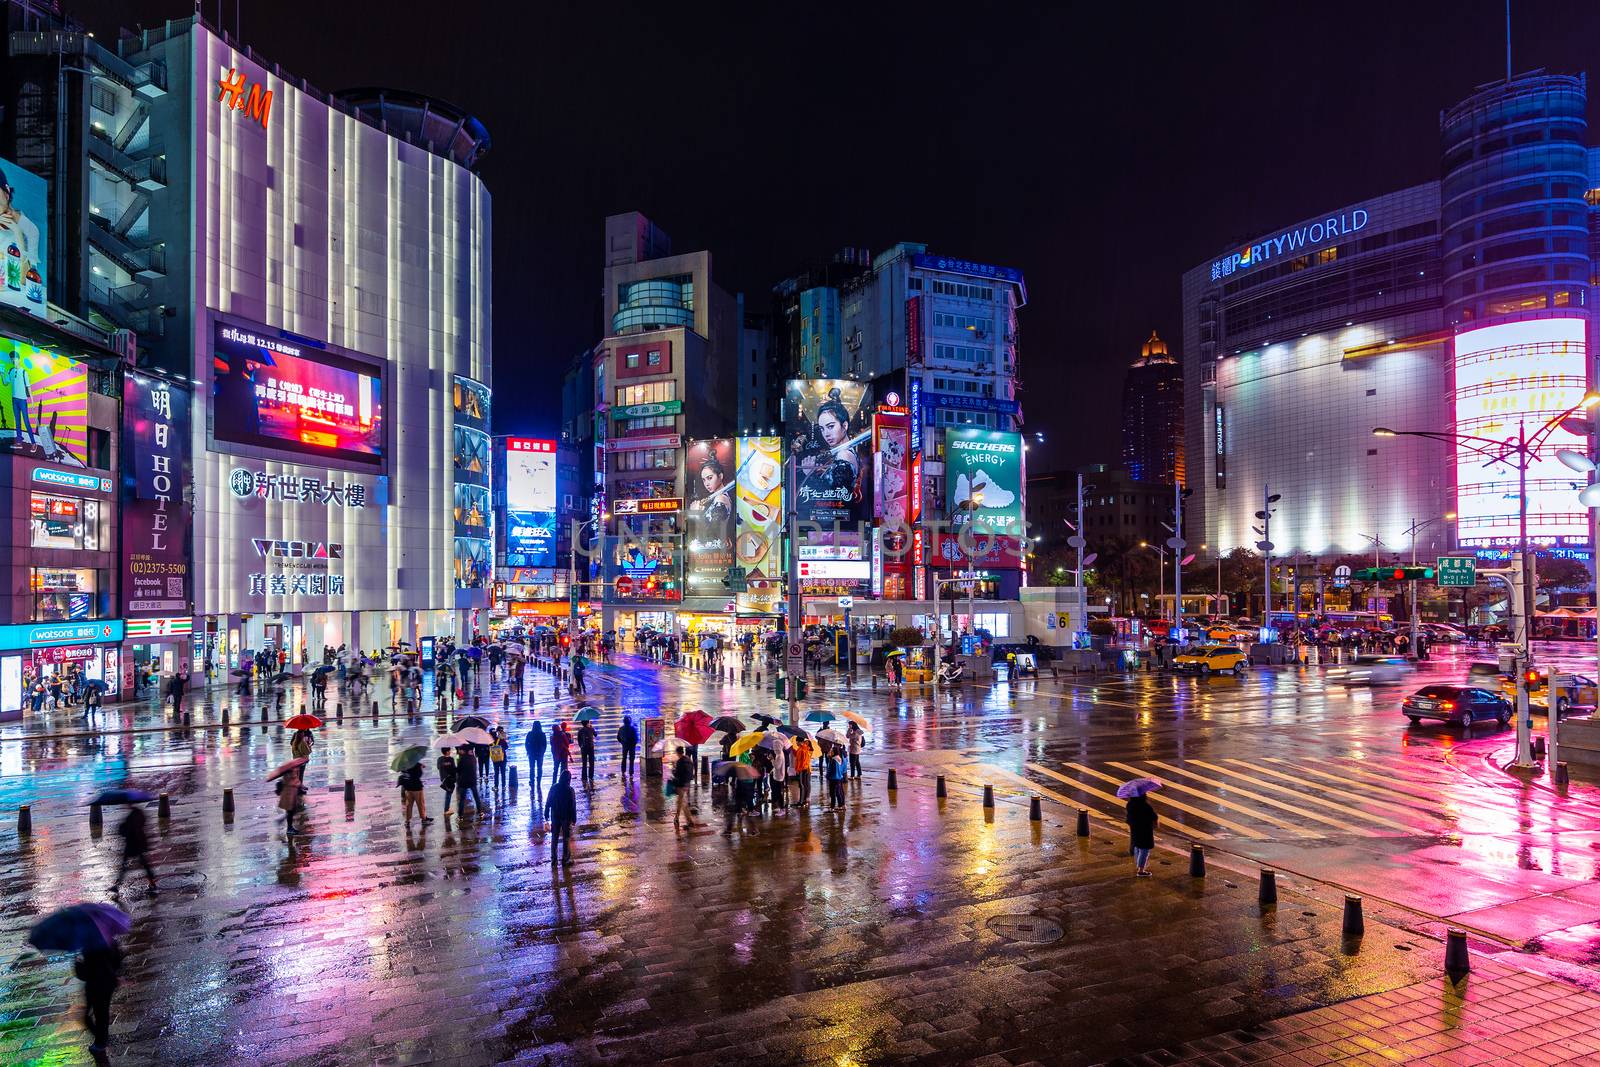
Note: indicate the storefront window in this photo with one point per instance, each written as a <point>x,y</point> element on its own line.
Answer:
<point>65,522</point>
<point>63,593</point>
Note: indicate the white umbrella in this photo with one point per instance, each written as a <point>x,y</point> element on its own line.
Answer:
<point>476,735</point>
<point>448,741</point>
<point>829,736</point>
<point>661,746</point>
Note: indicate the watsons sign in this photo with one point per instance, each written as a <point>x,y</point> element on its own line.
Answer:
<point>1289,242</point>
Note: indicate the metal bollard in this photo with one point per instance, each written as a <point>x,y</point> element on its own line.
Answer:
<point>1267,894</point>
<point>338,712</point>
<point>1456,961</point>
<point>302,708</point>
<point>893,784</point>
<point>938,787</point>
<point>349,791</point>
<point>24,821</point>
<point>224,715</point>
<point>705,766</point>
<point>874,681</point>
<point>97,817</point>
<point>1354,924</point>
<point>506,703</point>
<point>1538,746</point>
<point>374,709</point>
<point>163,807</point>
<point>227,802</point>
<point>1560,776</point>
<point>1083,822</point>
<point>1035,813</point>
<point>1197,861</point>
<point>988,796</point>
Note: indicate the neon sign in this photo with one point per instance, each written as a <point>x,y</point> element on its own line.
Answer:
<point>1290,241</point>
<point>257,103</point>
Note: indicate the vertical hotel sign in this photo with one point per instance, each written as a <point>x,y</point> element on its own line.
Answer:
<point>156,510</point>
<point>914,354</point>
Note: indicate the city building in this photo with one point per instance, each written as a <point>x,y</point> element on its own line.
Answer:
<point>276,399</point>
<point>1459,306</point>
<point>1152,416</point>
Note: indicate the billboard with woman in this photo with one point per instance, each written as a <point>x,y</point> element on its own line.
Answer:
<point>709,478</point>
<point>829,428</point>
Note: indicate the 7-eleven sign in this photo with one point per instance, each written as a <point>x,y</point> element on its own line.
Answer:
<point>160,627</point>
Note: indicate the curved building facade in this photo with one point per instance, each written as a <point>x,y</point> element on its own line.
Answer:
<point>1459,305</point>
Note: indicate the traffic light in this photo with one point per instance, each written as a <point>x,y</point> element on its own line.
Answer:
<point>1394,574</point>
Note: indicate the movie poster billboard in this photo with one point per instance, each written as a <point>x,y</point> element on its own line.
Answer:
<point>273,392</point>
<point>709,478</point>
<point>474,540</point>
<point>44,402</point>
<point>830,435</point>
<point>157,513</point>
<point>892,487</point>
<point>757,542</point>
<point>25,238</point>
<point>983,479</point>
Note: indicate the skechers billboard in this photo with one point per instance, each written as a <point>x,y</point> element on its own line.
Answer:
<point>830,433</point>
<point>286,394</point>
<point>983,480</point>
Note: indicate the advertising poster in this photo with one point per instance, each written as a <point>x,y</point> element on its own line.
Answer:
<point>157,517</point>
<point>709,475</point>
<point>988,551</point>
<point>530,539</point>
<point>44,402</point>
<point>277,393</point>
<point>757,542</point>
<point>642,569</point>
<point>530,502</point>
<point>474,540</point>
<point>830,435</point>
<point>983,479</point>
<point>25,235</point>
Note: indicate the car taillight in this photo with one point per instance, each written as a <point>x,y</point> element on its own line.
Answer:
<point>1447,705</point>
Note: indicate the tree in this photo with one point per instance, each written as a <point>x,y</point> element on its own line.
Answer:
<point>906,637</point>
<point>1563,574</point>
<point>1242,573</point>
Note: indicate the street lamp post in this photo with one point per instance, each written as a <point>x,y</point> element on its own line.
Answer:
<point>1268,498</point>
<point>1525,449</point>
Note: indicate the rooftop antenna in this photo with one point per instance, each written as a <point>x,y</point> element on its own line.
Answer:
<point>1508,42</point>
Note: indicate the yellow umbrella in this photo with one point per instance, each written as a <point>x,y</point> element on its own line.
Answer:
<point>858,719</point>
<point>745,743</point>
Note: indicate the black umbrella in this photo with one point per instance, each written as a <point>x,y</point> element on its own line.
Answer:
<point>472,720</point>
<point>241,674</point>
<point>727,724</point>
<point>770,720</point>
<point>324,669</point>
<point>792,731</point>
<point>123,796</point>
<point>95,685</point>
<point>282,677</point>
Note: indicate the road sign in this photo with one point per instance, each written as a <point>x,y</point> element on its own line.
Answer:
<point>846,603</point>
<point>624,585</point>
<point>1341,576</point>
<point>1176,543</point>
<point>1457,571</point>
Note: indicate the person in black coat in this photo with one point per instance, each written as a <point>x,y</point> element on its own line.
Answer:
<point>447,776</point>
<point>1141,832</point>
<point>561,808</point>
<point>98,968</point>
<point>628,738</point>
<point>586,739</point>
<point>536,743</point>
<point>135,846</point>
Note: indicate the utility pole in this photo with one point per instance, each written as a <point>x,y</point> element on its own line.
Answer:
<point>1528,577</point>
<point>1078,543</point>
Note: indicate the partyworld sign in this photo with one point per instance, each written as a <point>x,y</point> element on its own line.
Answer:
<point>1289,242</point>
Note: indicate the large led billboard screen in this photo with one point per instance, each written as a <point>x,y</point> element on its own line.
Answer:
<point>709,475</point>
<point>530,474</point>
<point>983,479</point>
<point>44,401</point>
<point>273,392</point>
<point>24,237</point>
<point>1511,378</point>
<point>830,433</point>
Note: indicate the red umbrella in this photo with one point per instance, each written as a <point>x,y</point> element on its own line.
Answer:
<point>303,722</point>
<point>694,727</point>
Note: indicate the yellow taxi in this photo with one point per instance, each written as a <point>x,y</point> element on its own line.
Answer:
<point>1212,659</point>
<point>1583,694</point>
<point>1229,635</point>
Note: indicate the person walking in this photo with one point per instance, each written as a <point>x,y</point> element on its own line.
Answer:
<point>854,739</point>
<point>410,784</point>
<point>628,738</point>
<point>301,743</point>
<point>98,969</point>
<point>561,808</point>
<point>1141,819</point>
<point>467,782</point>
<point>682,779</point>
<point>586,740</point>
<point>560,750</point>
<point>536,743</point>
<point>135,846</point>
<point>447,776</point>
<point>291,799</point>
<point>497,760</point>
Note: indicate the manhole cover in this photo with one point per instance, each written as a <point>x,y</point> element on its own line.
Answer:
<point>1035,929</point>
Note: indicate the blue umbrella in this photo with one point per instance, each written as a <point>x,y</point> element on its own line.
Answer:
<point>1137,788</point>
<point>79,927</point>
<point>587,714</point>
<point>96,685</point>
<point>821,716</point>
<point>123,796</point>
<point>475,652</point>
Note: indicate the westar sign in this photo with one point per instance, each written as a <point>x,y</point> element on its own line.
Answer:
<point>1290,241</point>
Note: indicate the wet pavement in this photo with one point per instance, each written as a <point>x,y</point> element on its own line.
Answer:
<point>904,929</point>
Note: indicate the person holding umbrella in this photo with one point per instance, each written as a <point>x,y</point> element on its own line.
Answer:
<point>301,743</point>
<point>497,760</point>
<point>682,779</point>
<point>467,782</point>
<point>291,792</point>
<point>628,739</point>
<point>135,840</point>
<point>409,764</point>
<point>536,743</point>
<point>447,776</point>
<point>561,808</point>
<point>586,740</point>
<point>854,737</point>
<point>1141,818</point>
<point>91,930</point>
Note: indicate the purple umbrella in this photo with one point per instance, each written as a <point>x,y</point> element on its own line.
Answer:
<point>79,927</point>
<point>1137,788</point>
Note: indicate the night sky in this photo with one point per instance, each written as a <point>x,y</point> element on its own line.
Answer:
<point>1102,149</point>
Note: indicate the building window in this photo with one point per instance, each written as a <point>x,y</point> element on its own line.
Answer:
<point>65,522</point>
<point>647,459</point>
<point>646,393</point>
<point>64,593</point>
<point>915,284</point>
<point>653,358</point>
<point>633,360</point>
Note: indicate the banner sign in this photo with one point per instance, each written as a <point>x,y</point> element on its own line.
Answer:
<point>157,514</point>
<point>758,544</point>
<point>647,411</point>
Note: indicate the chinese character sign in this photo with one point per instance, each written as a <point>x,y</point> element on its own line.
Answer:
<point>156,509</point>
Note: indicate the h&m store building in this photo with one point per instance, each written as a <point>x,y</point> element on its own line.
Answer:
<point>327,294</point>
<point>1460,306</point>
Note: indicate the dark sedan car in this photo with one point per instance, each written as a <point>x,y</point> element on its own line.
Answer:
<point>1463,704</point>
